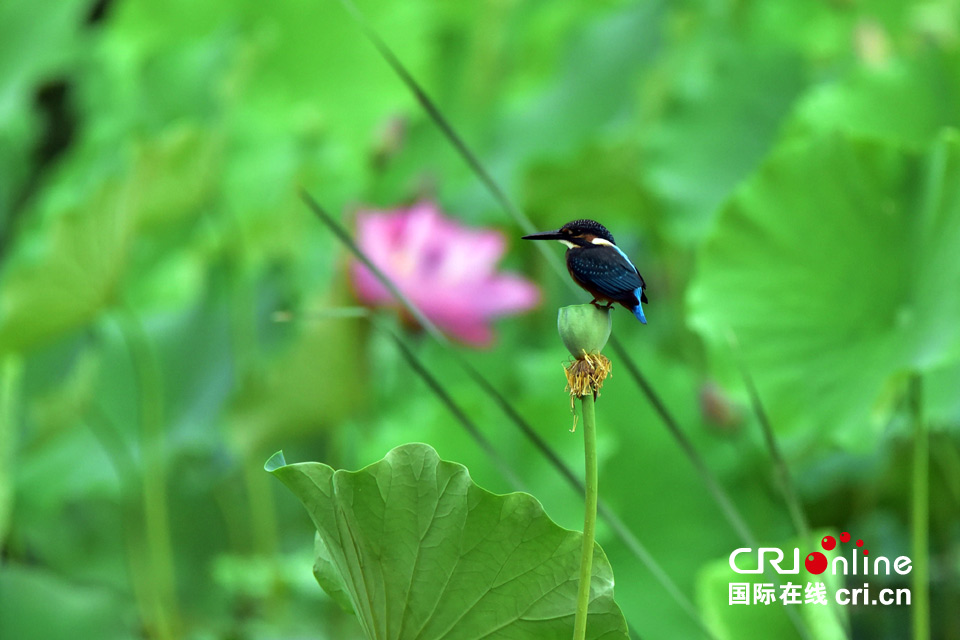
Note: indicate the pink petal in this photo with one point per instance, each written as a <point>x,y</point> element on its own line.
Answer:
<point>507,294</point>
<point>471,257</point>
<point>422,226</point>
<point>446,269</point>
<point>378,233</point>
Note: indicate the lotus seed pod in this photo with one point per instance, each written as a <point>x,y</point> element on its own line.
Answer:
<point>584,328</point>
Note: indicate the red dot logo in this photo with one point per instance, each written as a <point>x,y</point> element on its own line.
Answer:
<point>844,537</point>
<point>816,562</point>
<point>828,543</point>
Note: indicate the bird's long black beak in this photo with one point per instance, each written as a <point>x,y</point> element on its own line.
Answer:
<point>545,235</point>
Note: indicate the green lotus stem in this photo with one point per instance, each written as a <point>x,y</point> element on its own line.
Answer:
<point>165,615</point>
<point>589,515</point>
<point>11,377</point>
<point>243,338</point>
<point>921,514</point>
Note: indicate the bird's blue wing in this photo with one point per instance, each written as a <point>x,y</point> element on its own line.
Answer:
<point>643,285</point>
<point>607,272</point>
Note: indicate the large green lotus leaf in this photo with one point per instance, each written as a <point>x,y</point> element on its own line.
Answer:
<point>919,96</point>
<point>419,551</point>
<point>72,262</point>
<point>717,129</point>
<point>62,274</point>
<point>836,269</point>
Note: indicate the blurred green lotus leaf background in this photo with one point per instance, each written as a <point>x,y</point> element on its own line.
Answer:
<point>838,254</point>
<point>784,174</point>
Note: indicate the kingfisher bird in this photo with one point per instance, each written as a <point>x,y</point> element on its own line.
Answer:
<point>597,264</point>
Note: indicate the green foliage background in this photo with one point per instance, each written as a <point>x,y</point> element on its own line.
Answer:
<point>786,173</point>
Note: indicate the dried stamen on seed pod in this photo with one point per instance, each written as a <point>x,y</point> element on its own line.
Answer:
<point>586,374</point>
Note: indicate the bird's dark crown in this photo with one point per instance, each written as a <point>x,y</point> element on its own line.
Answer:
<point>583,228</point>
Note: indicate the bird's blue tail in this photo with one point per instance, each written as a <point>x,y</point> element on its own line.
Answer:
<point>638,310</point>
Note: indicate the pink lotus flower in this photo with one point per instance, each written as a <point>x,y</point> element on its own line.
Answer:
<point>447,270</point>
